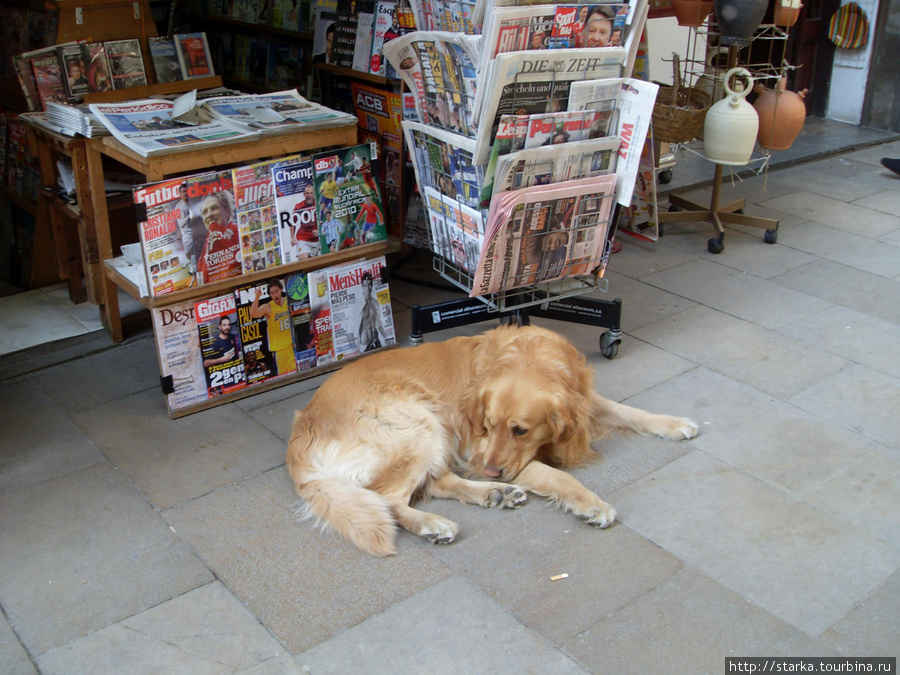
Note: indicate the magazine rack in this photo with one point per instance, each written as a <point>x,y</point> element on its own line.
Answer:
<point>518,299</point>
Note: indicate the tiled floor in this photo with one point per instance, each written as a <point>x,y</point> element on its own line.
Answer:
<point>130,542</point>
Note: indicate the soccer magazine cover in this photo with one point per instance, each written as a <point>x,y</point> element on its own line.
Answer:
<point>220,345</point>
<point>295,205</point>
<point>346,187</point>
<point>214,225</point>
<point>297,290</point>
<point>167,240</point>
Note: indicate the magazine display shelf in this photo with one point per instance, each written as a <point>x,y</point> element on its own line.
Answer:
<point>157,168</point>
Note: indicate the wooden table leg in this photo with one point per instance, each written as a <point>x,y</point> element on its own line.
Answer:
<point>108,292</point>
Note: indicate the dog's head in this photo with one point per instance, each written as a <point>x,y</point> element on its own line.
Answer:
<point>529,399</point>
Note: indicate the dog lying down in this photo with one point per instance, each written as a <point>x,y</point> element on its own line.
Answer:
<point>482,419</point>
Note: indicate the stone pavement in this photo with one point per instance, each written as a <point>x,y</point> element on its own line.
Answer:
<point>133,543</point>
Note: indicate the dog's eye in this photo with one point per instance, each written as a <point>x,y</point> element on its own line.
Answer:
<point>519,431</point>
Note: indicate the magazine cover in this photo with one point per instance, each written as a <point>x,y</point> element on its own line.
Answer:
<point>323,33</point>
<point>266,330</point>
<point>296,287</point>
<point>98,75</point>
<point>165,59</point>
<point>346,188</point>
<point>320,316</point>
<point>48,78</point>
<point>365,29</point>
<point>220,345</point>
<point>179,354</point>
<point>385,29</point>
<point>73,64</point>
<point>167,239</point>
<point>193,55</point>
<point>361,319</point>
<point>215,230</point>
<point>380,116</point>
<point>295,205</point>
<point>345,26</point>
<point>257,220</point>
<point>126,64</point>
<point>578,26</point>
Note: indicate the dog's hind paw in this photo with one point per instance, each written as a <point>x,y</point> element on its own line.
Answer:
<point>507,497</point>
<point>602,516</point>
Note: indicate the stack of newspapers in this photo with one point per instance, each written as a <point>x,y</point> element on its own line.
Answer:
<point>75,119</point>
<point>529,131</point>
<point>153,127</point>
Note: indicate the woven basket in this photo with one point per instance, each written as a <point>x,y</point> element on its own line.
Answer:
<point>680,111</point>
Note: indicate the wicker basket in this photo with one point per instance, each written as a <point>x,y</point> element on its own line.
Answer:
<point>679,111</point>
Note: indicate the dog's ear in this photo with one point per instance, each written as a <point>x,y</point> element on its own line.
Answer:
<point>472,409</point>
<point>568,416</point>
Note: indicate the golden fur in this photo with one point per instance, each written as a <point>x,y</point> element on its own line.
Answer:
<point>508,405</point>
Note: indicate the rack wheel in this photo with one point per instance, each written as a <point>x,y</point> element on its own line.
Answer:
<point>715,245</point>
<point>673,208</point>
<point>609,345</point>
<point>660,230</point>
<point>771,236</point>
<point>665,176</point>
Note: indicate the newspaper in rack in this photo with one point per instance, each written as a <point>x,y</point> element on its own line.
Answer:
<point>457,231</point>
<point>360,308</point>
<point>529,83</point>
<point>278,112</point>
<point>439,68</point>
<point>544,233</point>
<point>634,105</point>
<point>444,161</point>
<point>146,127</point>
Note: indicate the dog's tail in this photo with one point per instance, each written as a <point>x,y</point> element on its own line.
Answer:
<point>361,516</point>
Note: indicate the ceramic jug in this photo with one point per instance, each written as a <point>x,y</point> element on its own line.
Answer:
<point>786,12</point>
<point>781,113</point>
<point>739,19</point>
<point>692,12</point>
<point>729,131</point>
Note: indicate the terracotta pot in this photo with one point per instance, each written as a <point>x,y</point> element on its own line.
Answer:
<point>729,132</point>
<point>782,115</point>
<point>739,19</point>
<point>786,12</point>
<point>692,12</point>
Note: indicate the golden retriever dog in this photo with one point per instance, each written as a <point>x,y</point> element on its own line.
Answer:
<point>482,419</point>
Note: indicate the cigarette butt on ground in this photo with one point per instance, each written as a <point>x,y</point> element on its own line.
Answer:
<point>559,576</point>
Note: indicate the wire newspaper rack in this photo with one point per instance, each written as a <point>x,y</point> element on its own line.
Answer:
<point>551,269</point>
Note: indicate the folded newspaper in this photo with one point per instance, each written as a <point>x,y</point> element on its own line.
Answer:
<point>276,113</point>
<point>537,83</point>
<point>439,68</point>
<point>146,127</point>
<point>545,233</point>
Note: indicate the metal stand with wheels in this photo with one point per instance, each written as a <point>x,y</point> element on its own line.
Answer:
<point>686,211</point>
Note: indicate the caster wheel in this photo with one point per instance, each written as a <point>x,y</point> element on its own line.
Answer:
<point>660,230</point>
<point>665,176</point>
<point>715,246</point>
<point>771,236</point>
<point>674,208</point>
<point>609,346</point>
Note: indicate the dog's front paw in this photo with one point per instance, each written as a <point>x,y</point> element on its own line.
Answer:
<point>439,531</point>
<point>602,515</point>
<point>680,429</point>
<point>506,497</point>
